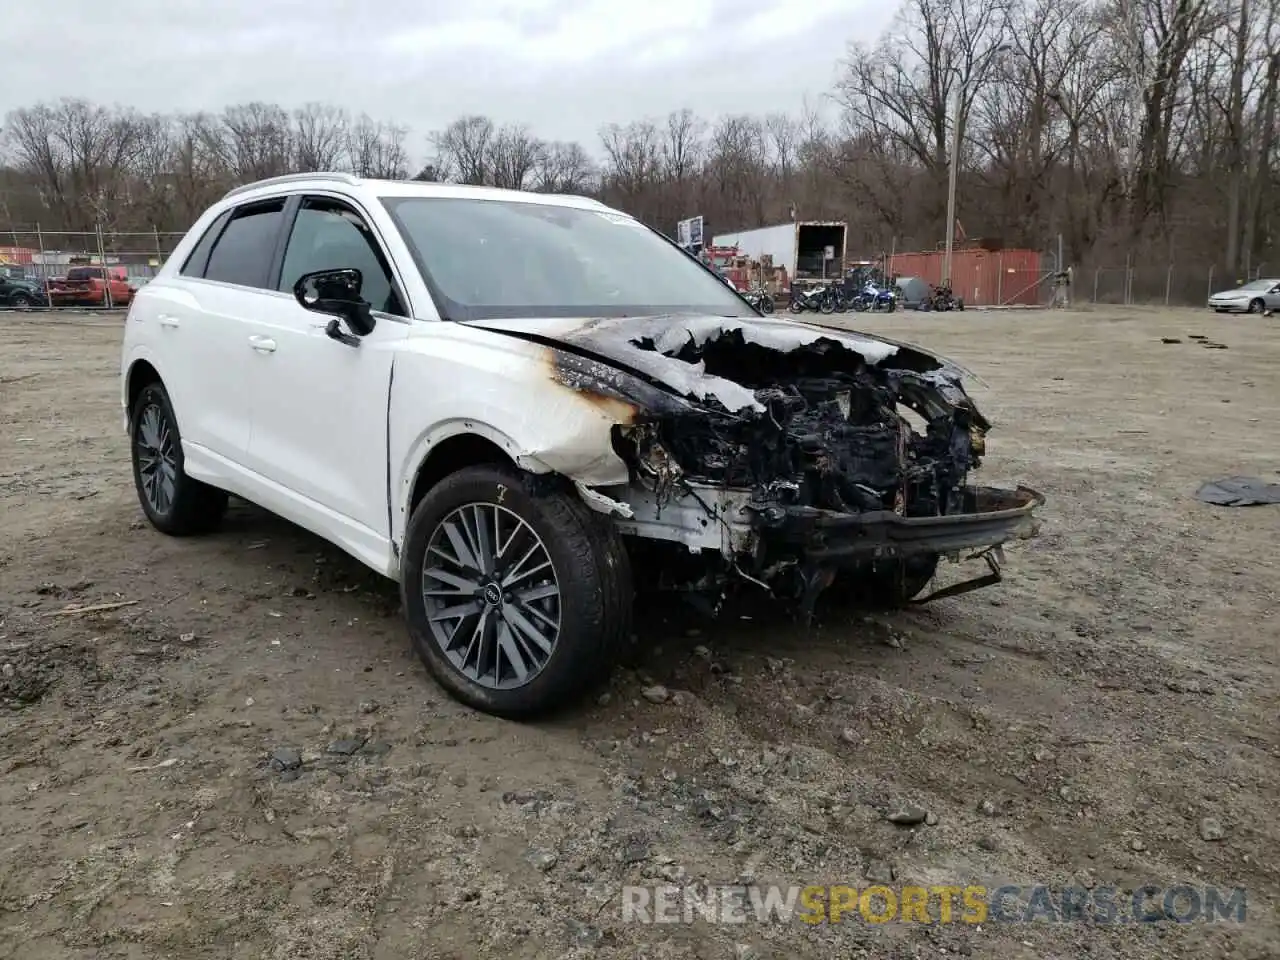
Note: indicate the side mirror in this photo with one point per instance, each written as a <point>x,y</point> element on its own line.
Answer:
<point>336,292</point>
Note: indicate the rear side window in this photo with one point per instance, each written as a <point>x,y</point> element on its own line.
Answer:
<point>243,253</point>
<point>198,259</point>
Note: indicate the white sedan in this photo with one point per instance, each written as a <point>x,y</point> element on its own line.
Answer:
<point>1259,296</point>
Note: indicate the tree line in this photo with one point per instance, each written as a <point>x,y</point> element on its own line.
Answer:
<point>1127,127</point>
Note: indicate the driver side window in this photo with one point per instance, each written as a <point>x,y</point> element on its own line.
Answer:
<point>328,235</point>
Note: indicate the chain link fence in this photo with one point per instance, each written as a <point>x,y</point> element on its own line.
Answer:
<point>1168,285</point>
<point>35,263</point>
<point>79,269</point>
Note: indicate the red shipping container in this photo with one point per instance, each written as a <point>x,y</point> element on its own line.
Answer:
<point>979,277</point>
<point>21,255</point>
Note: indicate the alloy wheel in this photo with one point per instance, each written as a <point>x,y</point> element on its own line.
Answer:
<point>492,596</point>
<point>157,460</point>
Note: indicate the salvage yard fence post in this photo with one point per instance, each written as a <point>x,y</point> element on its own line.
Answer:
<point>1168,284</point>
<point>102,259</point>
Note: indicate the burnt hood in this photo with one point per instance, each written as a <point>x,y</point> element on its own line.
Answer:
<point>720,359</point>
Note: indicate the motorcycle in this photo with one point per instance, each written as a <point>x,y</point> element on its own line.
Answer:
<point>872,297</point>
<point>841,302</point>
<point>759,300</point>
<point>814,298</point>
<point>881,298</point>
<point>942,298</point>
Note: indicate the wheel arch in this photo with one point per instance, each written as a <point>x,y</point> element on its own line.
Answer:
<point>436,456</point>
<point>142,372</point>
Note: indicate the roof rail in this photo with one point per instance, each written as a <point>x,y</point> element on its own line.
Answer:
<point>291,178</point>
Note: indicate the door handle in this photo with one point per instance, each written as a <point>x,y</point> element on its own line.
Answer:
<point>165,320</point>
<point>262,344</point>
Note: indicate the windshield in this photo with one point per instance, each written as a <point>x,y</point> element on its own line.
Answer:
<point>1258,285</point>
<point>490,259</point>
<point>84,273</point>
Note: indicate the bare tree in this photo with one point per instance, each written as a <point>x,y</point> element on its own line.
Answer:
<point>376,149</point>
<point>564,168</point>
<point>1130,127</point>
<point>463,150</point>
<point>513,157</point>
<point>319,137</point>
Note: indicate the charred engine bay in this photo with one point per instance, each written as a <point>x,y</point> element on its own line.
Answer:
<point>832,433</point>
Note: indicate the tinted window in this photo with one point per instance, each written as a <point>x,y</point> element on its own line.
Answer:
<point>194,267</point>
<point>487,258</point>
<point>243,254</point>
<point>328,235</point>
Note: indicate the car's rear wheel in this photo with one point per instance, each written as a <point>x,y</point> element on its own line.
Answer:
<point>175,503</point>
<point>1257,305</point>
<point>20,301</point>
<point>517,596</point>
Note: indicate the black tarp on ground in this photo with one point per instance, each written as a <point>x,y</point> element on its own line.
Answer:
<point>1239,492</point>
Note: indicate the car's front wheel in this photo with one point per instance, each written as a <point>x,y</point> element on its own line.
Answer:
<point>1257,305</point>
<point>20,301</point>
<point>174,502</point>
<point>517,596</point>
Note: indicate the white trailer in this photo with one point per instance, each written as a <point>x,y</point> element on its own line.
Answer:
<point>809,249</point>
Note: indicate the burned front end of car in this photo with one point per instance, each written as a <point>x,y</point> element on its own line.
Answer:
<point>792,456</point>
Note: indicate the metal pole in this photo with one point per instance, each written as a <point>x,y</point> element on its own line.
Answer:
<point>102,258</point>
<point>44,267</point>
<point>1061,265</point>
<point>951,182</point>
<point>1000,279</point>
<point>1097,272</point>
<point>1168,282</point>
<point>1210,294</point>
<point>1128,279</point>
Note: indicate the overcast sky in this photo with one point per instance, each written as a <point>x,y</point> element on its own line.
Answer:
<point>565,67</point>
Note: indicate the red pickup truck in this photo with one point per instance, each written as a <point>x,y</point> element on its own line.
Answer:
<point>91,287</point>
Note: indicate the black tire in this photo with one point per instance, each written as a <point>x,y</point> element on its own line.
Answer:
<point>1257,305</point>
<point>766,305</point>
<point>796,306</point>
<point>193,507</point>
<point>592,574</point>
<point>884,584</point>
<point>827,306</point>
<point>20,301</point>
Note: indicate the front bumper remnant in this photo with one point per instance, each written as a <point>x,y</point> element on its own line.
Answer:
<point>762,539</point>
<point>990,517</point>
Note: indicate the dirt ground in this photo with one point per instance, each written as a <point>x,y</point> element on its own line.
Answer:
<point>247,762</point>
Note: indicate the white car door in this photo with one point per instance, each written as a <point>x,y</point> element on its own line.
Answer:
<point>320,405</point>
<point>200,327</point>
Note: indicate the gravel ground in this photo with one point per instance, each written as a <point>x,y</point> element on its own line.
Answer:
<point>245,761</point>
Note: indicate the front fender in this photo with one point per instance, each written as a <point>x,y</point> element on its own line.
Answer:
<point>512,393</point>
